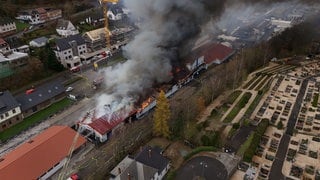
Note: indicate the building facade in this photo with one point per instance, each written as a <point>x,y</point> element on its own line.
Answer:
<point>7,26</point>
<point>10,112</point>
<point>69,49</point>
<point>65,28</point>
<point>39,15</point>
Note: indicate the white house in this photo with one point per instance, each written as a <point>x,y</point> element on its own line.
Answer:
<point>69,49</point>
<point>148,164</point>
<point>10,112</point>
<point>65,28</point>
<point>39,15</point>
<point>7,26</point>
<point>39,42</point>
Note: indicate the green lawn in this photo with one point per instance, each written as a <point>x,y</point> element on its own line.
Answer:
<point>236,109</point>
<point>256,82</point>
<point>233,96</point>
<point>21,26</point>
<point>34,119</point>
<point>315,100</point>
<point>245,145</point>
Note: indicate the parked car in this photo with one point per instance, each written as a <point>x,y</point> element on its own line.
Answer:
<point>69,89</point>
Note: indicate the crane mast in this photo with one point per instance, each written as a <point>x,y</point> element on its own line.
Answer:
<point>104,4</point>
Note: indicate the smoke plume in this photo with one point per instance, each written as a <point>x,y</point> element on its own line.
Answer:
<point>167,30</point>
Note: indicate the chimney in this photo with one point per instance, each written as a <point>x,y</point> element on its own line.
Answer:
<point>129,176</point>
<point>119,170</point>
<point>149,153</point>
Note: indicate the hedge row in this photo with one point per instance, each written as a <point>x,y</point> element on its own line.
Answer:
<point>236,109</point>
<point>261,129</point>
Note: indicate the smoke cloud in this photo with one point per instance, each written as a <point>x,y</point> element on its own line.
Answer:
<point>168,29</point>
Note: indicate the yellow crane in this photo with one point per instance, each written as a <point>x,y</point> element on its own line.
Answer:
<point>104,4</point>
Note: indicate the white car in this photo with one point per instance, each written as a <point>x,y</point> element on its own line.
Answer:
<point>69,89</point>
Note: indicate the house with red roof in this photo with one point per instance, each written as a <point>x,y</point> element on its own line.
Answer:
<point>101,128</point>
<point>208,54</point>
<point>41,156</point>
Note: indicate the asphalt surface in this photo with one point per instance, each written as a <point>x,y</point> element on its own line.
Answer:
<point>276,169</point>
<point>202,167</point>
<point>239,138</point>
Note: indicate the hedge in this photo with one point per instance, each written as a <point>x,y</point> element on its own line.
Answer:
<point>261,129</point>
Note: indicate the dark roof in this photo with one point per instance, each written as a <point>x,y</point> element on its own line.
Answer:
<point>132,171</point>
<point>151,157</point>
<point>41,94</point>
<point>7,102</point>
<point>116,9</point>
<point>5,20</point>
<point>64,43</point>
<point>62,24</point>
<point>41,40</point>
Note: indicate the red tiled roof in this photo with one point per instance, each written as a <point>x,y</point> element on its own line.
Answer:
<point>41,10</point>
<point>2,41</point>
<point>211,52</point>
<point>35,157</point>
<point>105,123</point>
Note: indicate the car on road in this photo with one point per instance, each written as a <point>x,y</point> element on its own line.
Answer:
<point>69,89</point>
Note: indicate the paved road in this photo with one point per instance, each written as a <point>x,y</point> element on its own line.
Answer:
<point>202,167</point>
<point>276,169</point>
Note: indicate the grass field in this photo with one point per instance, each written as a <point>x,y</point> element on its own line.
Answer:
<point>34,119</point>
<point>236,109</point>
<point>245,145</point>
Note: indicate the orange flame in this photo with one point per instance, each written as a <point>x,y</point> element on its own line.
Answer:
<point>146,103</point>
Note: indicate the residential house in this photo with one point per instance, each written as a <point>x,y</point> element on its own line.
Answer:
<point>149,164</point>
<point>38,98</point>
<point>54,14</point>
<point>41,156</point>
<point>4,46</point>
<point>69,49</point>
<point>101,128</point>
<point>115,12</point>
<point>10,112</point>
<point>96,39</point>
<point>39,42</point>
<point>10,60</point>
<point>65,28</point>
<point>39,15</point>
<point>7,26</point>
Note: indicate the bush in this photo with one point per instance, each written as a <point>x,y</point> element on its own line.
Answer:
<point>261,128</point>
<point>236,126</point>
<point>280,125</point>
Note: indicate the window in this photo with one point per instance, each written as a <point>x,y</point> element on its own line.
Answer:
<point>10,122</point>
<point>13,111</point>
<point>1,116</point>
<point>7,114</point>
<point>70,57</point>
<point>17,118</point>
<point>4,126</point>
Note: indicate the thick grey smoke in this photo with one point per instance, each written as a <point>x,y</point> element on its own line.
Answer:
<point>168,29</point>
<point>165,26</point>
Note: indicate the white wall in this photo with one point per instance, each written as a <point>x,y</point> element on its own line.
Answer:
<point>8,27</point>
<point>10,114</point>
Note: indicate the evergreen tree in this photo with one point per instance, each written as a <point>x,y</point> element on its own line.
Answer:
<point>161,116</point>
